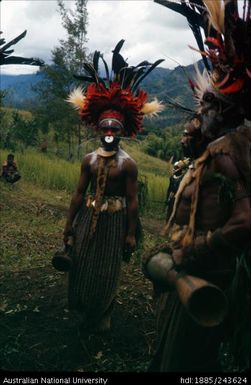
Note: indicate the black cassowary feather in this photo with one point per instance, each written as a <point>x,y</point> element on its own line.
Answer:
<point>96,57</point>
<point>90,70</point>
<point>127,76</point>
<point>20,60</point>
<point>143,63</point>
<point>118,61</point>
<point>194,15</point>
<point>13,41</point>
<point>118,46</point>
<point>106,68</point>
<point>146,73</point>
<point>83,78</point>
<point>5,53</point>
<point>137,73</point>
<point>9,52</point>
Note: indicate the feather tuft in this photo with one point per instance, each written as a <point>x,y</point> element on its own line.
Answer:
<point>152,108</point>
<point>77,98</point>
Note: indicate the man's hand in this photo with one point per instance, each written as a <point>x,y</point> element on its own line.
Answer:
<point>196,254</point>
<point>178,256</point>
<point>68,232</point>
<point>130,244</point>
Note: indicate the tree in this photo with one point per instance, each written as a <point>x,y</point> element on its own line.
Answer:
<point>24,130</point>
<point>165,145</point>
<point>58,81</point>
<point>75,23</point>
<point>17,129</point>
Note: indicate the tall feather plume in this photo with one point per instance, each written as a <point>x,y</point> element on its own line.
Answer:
<point>106,68</point>
<point>201,83</point>
<point>216,10</point>
<point>136,73</point>
<point>88,67</point>
<point>194,21</point>
<point>118,61</point>
<point>127,75</point>
<point>96,57</point>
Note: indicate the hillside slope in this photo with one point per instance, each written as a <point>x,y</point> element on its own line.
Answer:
<point>162,83</point>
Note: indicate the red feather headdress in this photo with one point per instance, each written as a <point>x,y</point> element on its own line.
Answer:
<point>117,98</point>
<point>226,51</point>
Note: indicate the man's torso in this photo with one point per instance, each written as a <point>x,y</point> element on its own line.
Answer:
<point>116,178</point>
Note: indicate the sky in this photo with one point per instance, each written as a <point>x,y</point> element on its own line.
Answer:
<point>150,30</point>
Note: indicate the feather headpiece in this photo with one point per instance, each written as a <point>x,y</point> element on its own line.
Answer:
<point>117,93</point>
<point>226,51</point>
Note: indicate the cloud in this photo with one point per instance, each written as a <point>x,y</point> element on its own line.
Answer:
<point>38,10</point>
<point>151,31</point>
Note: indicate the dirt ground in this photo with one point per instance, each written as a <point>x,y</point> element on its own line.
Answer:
<point>37,332</point>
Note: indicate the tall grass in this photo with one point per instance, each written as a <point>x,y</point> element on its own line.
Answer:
<point>157,186</point>
<point>145,162</point>
<point>55,173</point>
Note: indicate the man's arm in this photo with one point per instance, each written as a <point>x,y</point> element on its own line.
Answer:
<point>132,203</point>
<point>230,239</point>
<point>235,234</point>
<point>78,197</point>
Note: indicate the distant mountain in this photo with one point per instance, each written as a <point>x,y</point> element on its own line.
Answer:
<point>162,83</point>
<point>19,88</point>
<point>166,84</point>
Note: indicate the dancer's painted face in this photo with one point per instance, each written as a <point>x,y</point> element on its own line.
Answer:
<point>212,115</point>
<point>191,139</point>
<point>110,132</point>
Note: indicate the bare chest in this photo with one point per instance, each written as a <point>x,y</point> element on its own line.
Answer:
<point>210,212</point>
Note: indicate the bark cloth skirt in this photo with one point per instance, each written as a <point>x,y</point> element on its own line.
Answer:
<point>183,345</point>
<point>94,277</point>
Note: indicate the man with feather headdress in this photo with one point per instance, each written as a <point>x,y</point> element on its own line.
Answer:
<point>209,228</point>
<point>104,221</point>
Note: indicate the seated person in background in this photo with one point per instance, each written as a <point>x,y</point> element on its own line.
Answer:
<point>9,170</point>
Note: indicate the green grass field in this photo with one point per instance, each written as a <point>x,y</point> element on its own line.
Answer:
<point>53,173</point>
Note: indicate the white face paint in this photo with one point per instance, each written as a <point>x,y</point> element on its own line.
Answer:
<point>109,139</point>
<point>122,156</point>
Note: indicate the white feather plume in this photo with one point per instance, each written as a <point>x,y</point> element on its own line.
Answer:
<point>77,98</point>
<point>152,108</point>
<point>216,10</point>
<point>202,83</point>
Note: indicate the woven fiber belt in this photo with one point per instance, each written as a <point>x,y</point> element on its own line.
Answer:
<point>110,204</point>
